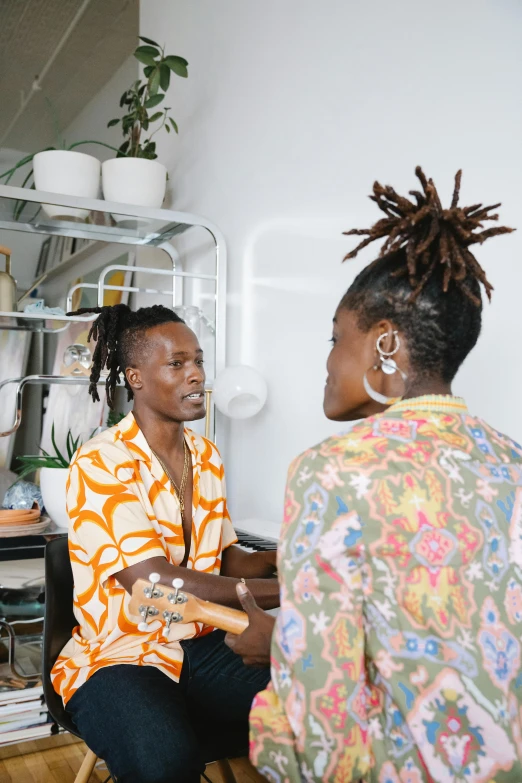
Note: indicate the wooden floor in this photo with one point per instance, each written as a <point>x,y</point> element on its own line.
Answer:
<point>60,765</point>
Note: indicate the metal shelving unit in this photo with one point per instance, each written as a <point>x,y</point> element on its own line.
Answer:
<point>109,222</point>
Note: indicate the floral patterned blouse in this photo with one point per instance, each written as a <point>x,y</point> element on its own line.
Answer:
<point>396,654</point>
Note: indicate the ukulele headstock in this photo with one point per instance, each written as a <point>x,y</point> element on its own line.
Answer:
<point>154,601</point>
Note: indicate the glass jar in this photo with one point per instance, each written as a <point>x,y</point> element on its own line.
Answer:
<point>192,317</point>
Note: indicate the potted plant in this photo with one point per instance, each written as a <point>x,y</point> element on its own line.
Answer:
<point>60,169</point>
<point>54,469</point>
<point>135,176</point>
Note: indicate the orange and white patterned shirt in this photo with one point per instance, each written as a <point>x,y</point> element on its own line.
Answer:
<point>122,511</point>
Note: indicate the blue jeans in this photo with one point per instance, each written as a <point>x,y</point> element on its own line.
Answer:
<point>150,729</point>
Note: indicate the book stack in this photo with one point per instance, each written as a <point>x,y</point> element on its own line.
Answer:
<point>23,714</point>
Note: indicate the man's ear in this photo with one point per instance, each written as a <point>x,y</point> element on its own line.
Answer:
<point>134,379</point>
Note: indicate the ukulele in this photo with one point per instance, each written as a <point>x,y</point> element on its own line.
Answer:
<point>154,601</point>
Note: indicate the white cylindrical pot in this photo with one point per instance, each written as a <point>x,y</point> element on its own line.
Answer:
<point>136,181</point>
<point>52,485</point>
<point>70,174</point>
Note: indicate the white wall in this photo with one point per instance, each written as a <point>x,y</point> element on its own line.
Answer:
<point>291,110</point>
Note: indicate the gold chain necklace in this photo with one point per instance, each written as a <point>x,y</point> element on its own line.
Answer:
<point>180,491</point>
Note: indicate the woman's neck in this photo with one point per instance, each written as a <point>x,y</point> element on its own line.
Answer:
<point>424,386</point>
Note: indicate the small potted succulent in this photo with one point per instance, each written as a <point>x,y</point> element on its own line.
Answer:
<point>135,176</point>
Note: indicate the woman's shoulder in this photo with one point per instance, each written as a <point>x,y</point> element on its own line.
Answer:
<point>353,435</point>
<point>353,439</point>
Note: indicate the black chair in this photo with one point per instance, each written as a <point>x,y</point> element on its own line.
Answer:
<point>58,626</point>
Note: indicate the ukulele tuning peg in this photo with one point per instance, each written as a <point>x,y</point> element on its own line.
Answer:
<point>151,591</point>
<point>177,584</point>
<point>146,611</point>
<point>167,616</point>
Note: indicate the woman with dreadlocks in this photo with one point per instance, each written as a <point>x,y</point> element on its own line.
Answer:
<point>149,495</point>
<point>396,655</point>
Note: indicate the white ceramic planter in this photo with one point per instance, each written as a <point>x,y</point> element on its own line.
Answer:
<point>69,173</point>
<point>52,485</point>
<point>136,181</point>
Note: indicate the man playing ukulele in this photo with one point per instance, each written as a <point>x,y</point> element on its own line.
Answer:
<point>148,496</point>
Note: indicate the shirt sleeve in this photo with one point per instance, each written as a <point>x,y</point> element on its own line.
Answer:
<point>229,536</point>
<point>109,527</point>
<point>311,722</point>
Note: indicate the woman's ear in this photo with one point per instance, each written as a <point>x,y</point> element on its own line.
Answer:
<point>384,327</point>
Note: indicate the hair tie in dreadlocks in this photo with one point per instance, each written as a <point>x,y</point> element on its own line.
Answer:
<point>430,235</point>
<point>118,332</point>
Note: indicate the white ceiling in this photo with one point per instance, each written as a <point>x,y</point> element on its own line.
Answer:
<point>30,34</point>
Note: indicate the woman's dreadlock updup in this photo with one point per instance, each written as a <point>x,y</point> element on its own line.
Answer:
<point>119,333</point>
<point>425,279</point>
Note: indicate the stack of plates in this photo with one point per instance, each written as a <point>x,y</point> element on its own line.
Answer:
<point>21,522</point>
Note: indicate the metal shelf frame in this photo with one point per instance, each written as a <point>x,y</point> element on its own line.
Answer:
<point>116,223</point>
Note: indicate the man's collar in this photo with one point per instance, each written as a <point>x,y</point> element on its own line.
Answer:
<point>137,443</point>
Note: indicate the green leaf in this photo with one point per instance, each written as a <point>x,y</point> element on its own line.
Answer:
<point>111,123</point>
<point>167,128</point>
<point>148,150</point>
<point>154,82</point>
<point>164,77</point>
<point>99,143</point>
<point>156,116</point>
<point>177,64</point>
<point>149,41</point>
<point>152,50</point>
<point>148,70</point>
<point>68,445</point>
<point>123,98</point>
<point>146,59</point>
<point>153,101</point>
<point>173,124</point>
<point>57,450</point>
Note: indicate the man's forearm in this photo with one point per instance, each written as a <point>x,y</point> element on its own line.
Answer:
<point>210,587</point>
<point>237,563</point>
